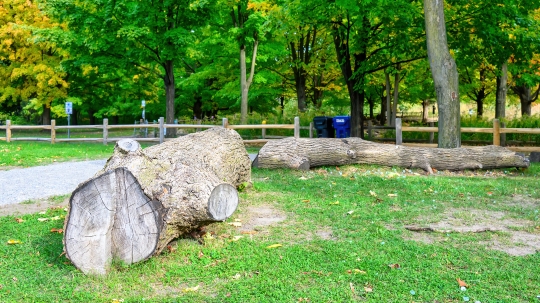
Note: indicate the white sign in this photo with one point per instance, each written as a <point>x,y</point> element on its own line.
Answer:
<point>69,108</point>
<point>340,120</point>
<point>143,103</point>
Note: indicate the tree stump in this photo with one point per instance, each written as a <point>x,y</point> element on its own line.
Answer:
<point>305,153</point>
<point>143,199</point>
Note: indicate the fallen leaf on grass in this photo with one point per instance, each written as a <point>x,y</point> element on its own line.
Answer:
<point>191,289</point>
<point>43,219</point>
<point>42,212</point>
<point>274,246</point>
<point>302,178</point>
<point>372,193</point>
<point>57,230</point>
<point>19,220</point>
<point>15,279</point>
<point>368,289</point>
<point>56,218</point>
<point>12,242</point>
<point>235,224</point>
<point>356,271</point>
<point>236,238</point>
<point>462,283</point>
<point>334,203</point>
<point>352,287</point>
<point>350,212</point>
<point>392,195</point>
<point>394,266</point>
<point>305,201</point>
<point>200,255</point>
<point>117,300</point>
<point>248,232</point>
<point>171,249</point>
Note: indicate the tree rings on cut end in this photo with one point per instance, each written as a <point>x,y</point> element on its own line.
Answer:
<point>128,145</point>
<point>110,218</point>
<point>222,202</point>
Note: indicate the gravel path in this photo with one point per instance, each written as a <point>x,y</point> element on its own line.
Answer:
<point>21,184</point>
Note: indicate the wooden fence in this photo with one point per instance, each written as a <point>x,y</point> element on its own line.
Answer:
<point>160,126</point>
<point>496,131</point>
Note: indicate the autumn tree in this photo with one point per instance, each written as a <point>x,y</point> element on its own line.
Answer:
<point>30,68</point>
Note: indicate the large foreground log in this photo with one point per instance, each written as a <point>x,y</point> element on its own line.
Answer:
<point>143,199</point>
<point>306,153</point>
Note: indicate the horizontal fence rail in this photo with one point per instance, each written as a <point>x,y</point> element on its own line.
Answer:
<point>160,127</point>
<point>496,131</point>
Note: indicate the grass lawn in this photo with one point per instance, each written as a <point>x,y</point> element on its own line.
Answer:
<point>327,235</point>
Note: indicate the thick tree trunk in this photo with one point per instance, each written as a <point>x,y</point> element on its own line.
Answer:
<point>46,115</point>
<point>306,153</point>
<point>388,99</point>
<point>445,76</point>
<point>526,98</point>
<point>143,199</point>
<point>502,88</point>
<point>169,96</point>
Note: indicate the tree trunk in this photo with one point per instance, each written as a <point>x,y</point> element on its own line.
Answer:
<point>396,96</point>
<point>143,199</point>
<point>388,99</point>
<point>246,83</point>
<point>526,98</point>
<point>197,108</point>
<point>306,153</point>
<point>169,96</point>
<point>46,115</point>
<point>300,80</point>
<point>445,76</point>
<point>502,88</point>
<point>384,107</point>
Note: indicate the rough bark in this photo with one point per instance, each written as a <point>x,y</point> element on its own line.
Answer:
<point>170,88</point>
<point>445,76</point>
<point>143,199</point>
<point>306,153</point>
<point>502,88</point>
<point>526,97</point>
<point>388,99</point>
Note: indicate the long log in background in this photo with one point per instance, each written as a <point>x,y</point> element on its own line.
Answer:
<point>303,153</point>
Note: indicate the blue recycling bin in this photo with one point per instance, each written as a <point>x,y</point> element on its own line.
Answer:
<point>342,124</point>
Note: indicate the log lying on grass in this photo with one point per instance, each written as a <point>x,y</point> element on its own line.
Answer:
<point>143,199</point>
<point>304,153</point>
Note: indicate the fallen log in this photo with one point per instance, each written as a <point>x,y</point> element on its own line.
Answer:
<point>143,199</point>
<point>303,153</point>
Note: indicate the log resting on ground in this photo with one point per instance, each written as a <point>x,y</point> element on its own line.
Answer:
<point>305,153</point>
<point>143,199</point>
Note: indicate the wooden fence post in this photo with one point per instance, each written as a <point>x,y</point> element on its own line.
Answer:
<point>431,134</point>
<point>263,131</point>
<point>503,135</point>
<point>297,127</point>
<point>369,130</point>
<point>53,131</point>
<point>496,132</point>
<point>311,127</point>
<point>105,131</point>
<point>161,130</point>
<point>399,134</point>
<point>225,123</point>
<point>8,130</point>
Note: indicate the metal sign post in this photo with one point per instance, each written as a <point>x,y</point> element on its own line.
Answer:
<point>69,111</point>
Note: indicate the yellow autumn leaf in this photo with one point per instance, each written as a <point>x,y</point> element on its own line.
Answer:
<point>372,193</point>
<point>334,203</point>
<point>43,219</point>
<point>392,195</point>
<point>274,246</point>
<point>191,289</point>
<point>11,242</point>
<point>117,300</point>
<point>235,224</point>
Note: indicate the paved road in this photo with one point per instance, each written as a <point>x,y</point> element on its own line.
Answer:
<point>22,184</point>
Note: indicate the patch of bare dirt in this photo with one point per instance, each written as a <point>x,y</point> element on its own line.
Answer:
<point>259,217</point>
<point>518,243</point>
<point>36,206</point>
